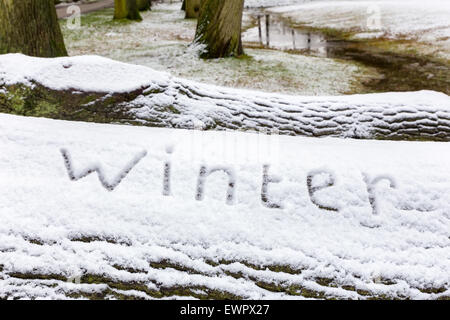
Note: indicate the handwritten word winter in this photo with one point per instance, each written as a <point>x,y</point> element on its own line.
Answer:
<point>205,172</point>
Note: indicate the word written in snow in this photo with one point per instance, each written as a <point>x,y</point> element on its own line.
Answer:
<point>267,179</point>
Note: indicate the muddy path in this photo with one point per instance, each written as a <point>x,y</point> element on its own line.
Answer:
<point>399,70</point>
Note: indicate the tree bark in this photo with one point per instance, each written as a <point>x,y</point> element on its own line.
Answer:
<point>144,5</point>
<point>219,28</point>
<point>127,9</point>
<point>175,105</point>
<point>30,27</point>
<point>192,9</point>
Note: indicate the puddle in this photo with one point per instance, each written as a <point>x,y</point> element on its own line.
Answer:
<point>271,32</point>
<point>398,71</point>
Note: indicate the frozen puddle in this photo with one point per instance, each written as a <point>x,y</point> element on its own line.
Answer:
<point>106,210</point>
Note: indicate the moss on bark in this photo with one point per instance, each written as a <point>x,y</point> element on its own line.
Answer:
<point>40,101</point>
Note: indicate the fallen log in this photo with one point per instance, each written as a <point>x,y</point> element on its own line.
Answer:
<point>111,211</point>
<point>96,89</point>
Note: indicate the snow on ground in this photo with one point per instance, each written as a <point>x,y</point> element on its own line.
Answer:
<point>425,21</point>
<point>382,241</point>
<point>162,41</point>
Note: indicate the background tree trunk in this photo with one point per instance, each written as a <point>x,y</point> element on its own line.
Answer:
<point>127,9</point>
<point>219,28</point>
<point>144,5</point>
<point>30,27</point>
<point>183,5</point>
<point>192,9</point>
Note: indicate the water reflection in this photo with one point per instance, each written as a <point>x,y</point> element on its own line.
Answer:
<point>272,32</point>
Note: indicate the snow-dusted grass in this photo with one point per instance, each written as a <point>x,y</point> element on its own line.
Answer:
<point>162,41</point>
<point>136,238</point>
<point>423,21</point>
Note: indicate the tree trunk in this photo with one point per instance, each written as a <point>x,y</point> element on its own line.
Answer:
<point>144,5</point>
<point>127,9</point>
<point>219,28</point>
<point>174,104</point>
<point>183,5</point>
<point>30,27</point>
<point>192,9</point>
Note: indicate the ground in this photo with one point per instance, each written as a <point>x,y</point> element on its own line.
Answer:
<point>163,42</point>
<point>350,59</point>
<point>425,23</point>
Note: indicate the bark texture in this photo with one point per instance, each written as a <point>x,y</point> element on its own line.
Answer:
<point>175,105</point>
<point>192,9</point>
<point>144,5</point>
<point>127,9</point>
<point>30,27</point>
<point>219,28</point>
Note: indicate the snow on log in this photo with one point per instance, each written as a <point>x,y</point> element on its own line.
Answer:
<point>106,211</point>
<point>91,88</point>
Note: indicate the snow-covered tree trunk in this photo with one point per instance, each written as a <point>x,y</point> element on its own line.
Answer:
<point>182,104</point>
<point>126,9</point>
<point>219,28</point>
<point>30,27</point>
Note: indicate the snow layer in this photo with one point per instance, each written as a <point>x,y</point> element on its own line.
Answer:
<point>85,73</point>
<point>390,237</point>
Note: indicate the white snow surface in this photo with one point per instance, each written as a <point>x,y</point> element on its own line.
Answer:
<point>407,239</point>
<point>85,73</point>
